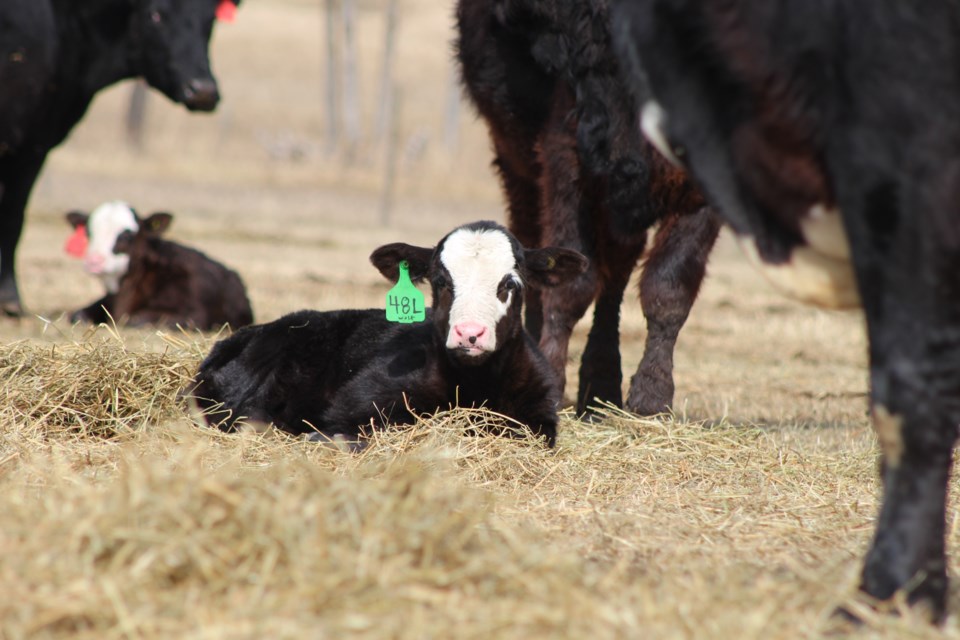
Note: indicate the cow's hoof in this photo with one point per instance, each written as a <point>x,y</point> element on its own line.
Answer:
<point>649,395</point>
<point>594,403</point>
<point>648,404</point>
<point>863,607</point>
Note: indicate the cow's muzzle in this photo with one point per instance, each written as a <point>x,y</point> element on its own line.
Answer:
<point>200,94</point>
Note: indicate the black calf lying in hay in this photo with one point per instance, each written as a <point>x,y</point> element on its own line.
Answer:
<point>345,372</point>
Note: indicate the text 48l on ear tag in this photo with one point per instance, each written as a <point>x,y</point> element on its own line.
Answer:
<point>404,301</point>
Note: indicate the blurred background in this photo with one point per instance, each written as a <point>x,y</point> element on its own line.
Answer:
<point>327,145</point>
<point>323,145</point>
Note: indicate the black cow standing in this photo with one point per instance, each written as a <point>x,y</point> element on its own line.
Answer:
<point>577,173</point>
<point>56,54</point>
<point>828,133</point>
<point>344,372</point>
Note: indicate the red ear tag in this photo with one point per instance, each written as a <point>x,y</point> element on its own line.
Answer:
<point>226,11</point>
<point>77,243</point>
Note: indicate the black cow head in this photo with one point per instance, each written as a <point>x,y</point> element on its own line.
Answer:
<point>477,273</point>
<point>173,36</point>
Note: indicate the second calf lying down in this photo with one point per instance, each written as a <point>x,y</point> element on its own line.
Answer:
<point>151,280</point>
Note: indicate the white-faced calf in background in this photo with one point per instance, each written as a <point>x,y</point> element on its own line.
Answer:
<point>95,238</point>
<point>345,372</point>
<point>150,280</point>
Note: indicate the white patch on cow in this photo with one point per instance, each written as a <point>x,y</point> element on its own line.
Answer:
<point>105,224</point>
<point>477,261</point>
<point>653,120</point>
<point>823,230</point>
<point>889,429</point>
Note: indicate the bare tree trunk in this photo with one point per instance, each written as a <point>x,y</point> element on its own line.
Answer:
<point>391,153</point>
<point>451,118</point>
<point>136,114</point>
<point>351,98</point>
<point>386,72</point>
<point>330,81</point>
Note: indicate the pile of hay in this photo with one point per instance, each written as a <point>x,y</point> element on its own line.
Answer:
<point>123,518</point>
<point>94,386</point>
<point>282,548</point>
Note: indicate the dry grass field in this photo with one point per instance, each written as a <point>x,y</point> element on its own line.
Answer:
<point>745,515</point>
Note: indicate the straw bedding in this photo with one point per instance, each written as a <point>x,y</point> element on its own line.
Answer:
<point>122,518</point>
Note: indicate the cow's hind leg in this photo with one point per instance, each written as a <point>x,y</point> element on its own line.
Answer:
<point>567,222</point>
<point>563,307</point>
<point>909,280</point>
<point>523,205</point>
<point>601,374</point>
<point>915,397</point>
<point>916,424</point>
<point>668,287</point>
<point>907,552</point>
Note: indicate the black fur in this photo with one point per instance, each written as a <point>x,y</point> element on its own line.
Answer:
<point>853,103</point>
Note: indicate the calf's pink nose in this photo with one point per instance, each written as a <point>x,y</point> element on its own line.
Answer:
<point>469,332</point>
<point>93,262</point>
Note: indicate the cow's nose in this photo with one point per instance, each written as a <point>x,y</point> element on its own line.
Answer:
<point>470,331</point>
<point>200,94</point>
<point>93,262</point>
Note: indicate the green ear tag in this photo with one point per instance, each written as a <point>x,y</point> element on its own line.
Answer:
<point>404,301</point>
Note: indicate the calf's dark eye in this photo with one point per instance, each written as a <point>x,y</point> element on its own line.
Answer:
<point>124,242</point>
<point>507,286</point>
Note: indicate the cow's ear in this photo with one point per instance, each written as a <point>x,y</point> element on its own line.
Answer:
<point>552,266</point>
<point>77,218</point>
<point>156,223</point>
<point>387,259</point>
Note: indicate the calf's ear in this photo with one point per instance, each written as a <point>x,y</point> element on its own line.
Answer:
<point>156,223</point>
<point>552,266</point>
<point>387,260</point>
<point>77,218</point>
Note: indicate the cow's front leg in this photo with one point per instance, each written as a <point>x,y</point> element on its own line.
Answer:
<point>914,415</point>
<point>907,553</point>
<point>669,285</point>
<point>914,337</point>
<point>17,176</point>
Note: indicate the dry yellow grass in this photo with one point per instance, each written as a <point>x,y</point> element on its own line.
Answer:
<point>744,516</point>
<point>123,518</point>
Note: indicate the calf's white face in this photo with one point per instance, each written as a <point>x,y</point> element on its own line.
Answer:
<point>484,277</point>
<point>104,226</point>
